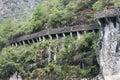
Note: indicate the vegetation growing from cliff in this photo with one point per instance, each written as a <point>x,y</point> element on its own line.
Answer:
<point>101,5</point>
<point>58,13</point>
<point>49,14</point>
<point>75,59</point>
<point>53,14</point>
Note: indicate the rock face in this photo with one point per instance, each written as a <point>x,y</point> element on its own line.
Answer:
<point>15,76</point>
<point>109,56</point>
<point>16,9</point>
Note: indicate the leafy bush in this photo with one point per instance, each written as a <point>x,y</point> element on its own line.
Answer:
<point>75,58</point>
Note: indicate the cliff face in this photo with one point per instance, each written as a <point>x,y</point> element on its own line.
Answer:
<point>16,9</point>
<point>109,57</point>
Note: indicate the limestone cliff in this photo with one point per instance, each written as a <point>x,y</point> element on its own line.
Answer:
<point>16,9</point>
<point>109,56</point>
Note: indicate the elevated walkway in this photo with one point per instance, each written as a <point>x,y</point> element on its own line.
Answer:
<point>53,34</point>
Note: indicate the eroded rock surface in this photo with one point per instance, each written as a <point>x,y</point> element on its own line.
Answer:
<point>16,9</point>
<point>109,56</point>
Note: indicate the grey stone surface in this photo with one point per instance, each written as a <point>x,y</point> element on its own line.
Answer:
<point>16,9</point>
<point>109,55</point>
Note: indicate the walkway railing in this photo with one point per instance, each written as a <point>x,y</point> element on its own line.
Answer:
<point>51,34</point>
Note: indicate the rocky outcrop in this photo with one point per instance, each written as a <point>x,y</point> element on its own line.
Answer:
<point>109,56</point>
<point>16,9</point>
<point>15,76</point>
